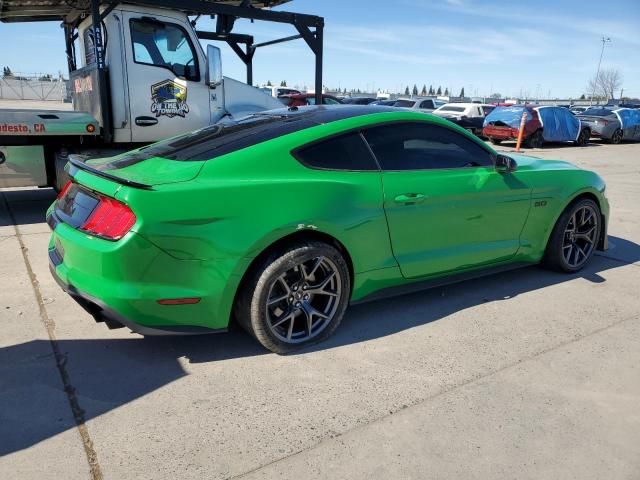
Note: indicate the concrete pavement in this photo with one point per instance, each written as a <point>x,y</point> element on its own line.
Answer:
<point>526,374</point>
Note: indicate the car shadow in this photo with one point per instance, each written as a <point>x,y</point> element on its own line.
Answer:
<point>106,374</point>
<point>27,206</point>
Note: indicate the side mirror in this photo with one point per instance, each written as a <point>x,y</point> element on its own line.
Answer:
<point>505,164</point>
<point>214,67</point>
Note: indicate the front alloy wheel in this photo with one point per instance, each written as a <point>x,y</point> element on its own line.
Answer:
<point>575,237</point>
<point>296,297</point>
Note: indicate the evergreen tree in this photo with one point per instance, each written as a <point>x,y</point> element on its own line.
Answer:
<point>582,97</point>
<point>424,90</point>
<point>446,92</point>
<point>269,83</point>
<point>283,83</point>
<point>462,92</point>
<point>415,89</point>
<point>406,91</point>
<point>430,89</point>
<point>439,92</point>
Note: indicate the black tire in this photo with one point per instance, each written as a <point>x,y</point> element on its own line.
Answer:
<point>616,137</point>
<point>495,141</point>
<point>253,313</point>
<point>583,138</point>
<point>560,239</point>
<point>536,140</point>
<point>62,177</point>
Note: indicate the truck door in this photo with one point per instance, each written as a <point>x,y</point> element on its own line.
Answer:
<point>166,76</point>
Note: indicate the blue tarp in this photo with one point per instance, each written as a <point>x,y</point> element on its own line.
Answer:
<point>508,115</point>
<point>558,124</point>
<point>629,117</point>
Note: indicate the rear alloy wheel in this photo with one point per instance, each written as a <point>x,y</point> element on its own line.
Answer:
<point>536,140</point>
<point>583,138</point>
<point>616,138</point>
<point>495,141</point>
<point>296,298</point>
<point>575,237</point>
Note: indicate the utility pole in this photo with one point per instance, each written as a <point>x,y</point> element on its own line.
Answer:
<point>604,40</point>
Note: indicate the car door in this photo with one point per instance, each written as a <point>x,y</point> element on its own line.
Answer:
<point>166,76</point>
<point>447,208</point>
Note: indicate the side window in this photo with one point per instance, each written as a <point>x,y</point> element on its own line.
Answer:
<point>427,104</point>
<point>330,101</point>
<point>346,152</point>
<point>89,47</point>
<point>424,146</point>
<point>164,45</point>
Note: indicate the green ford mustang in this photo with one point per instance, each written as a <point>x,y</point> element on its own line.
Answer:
<point>279,220</point>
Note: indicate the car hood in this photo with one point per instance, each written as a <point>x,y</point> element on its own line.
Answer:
<point>526,163</point>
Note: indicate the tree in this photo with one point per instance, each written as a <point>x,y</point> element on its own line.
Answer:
<point>269,83</point>
<point>461,93</point>
<point>406,91</point>
<point>495,95</point>
<point>605,84</point>
<point>424,90</point>
<point>439,92</point>
<point>415,89</point>
<point>582,97</point>
<point>283,83</point>
<point>6,72</point>
<point>446,92</point>
<point>431,92</point>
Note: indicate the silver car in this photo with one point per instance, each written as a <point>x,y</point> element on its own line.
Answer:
<point>423,104</point>
<point>612,125</point>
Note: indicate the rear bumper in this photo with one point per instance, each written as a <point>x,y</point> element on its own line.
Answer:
<point>500,133</point>
<point>103,313</point>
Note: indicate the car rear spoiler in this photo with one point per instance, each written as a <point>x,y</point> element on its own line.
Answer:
<point>78,162</point>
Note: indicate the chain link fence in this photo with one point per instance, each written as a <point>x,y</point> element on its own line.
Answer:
<point>34,86</point>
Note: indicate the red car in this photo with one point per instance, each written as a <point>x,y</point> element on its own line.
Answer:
<point>302,99</point>
<point>505,125</point>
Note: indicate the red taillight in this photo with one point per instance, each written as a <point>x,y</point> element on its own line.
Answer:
<point>110,219</point>
<point>64,190</point>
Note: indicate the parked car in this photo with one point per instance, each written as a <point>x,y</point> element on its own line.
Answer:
<point>543,124</point>
<point>469,116</point>
<point>384,103</point>
<point>302,99</point>
<point>419,103</point>
<point>576,110</point>
<point>279,220</point>
<point>358,100</point>
<point>612,125</point>
<point>279,91</point>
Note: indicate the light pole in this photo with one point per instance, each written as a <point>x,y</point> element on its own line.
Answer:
<point>604,40</point>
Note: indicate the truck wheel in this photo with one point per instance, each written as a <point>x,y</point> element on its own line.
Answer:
<point>296,297</point>
<point>62,177</point>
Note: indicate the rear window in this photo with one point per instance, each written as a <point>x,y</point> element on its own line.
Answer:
<point>404,103</point>
<point>215,140</point>
<point>597,112</point>
<point>451,108</point>
<point>346,152</point>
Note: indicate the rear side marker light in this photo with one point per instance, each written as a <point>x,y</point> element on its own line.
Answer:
<point>179,301</point>
<point>110,220</point>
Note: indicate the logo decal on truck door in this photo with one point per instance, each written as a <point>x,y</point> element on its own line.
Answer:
<point>169,98</point>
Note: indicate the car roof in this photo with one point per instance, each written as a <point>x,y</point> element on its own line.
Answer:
<point>321,114</point>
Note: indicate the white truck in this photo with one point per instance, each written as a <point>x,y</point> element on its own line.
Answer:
<point>138,74</point>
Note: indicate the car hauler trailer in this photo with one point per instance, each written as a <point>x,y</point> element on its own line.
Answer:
<point>138,74</point>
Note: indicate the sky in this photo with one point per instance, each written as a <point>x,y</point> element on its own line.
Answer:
<point>543,48</point>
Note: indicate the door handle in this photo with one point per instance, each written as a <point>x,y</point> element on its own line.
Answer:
<point>146,121</point>
<point>410,198</point>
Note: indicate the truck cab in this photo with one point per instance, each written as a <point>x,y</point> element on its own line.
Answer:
<point>138,74</point>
